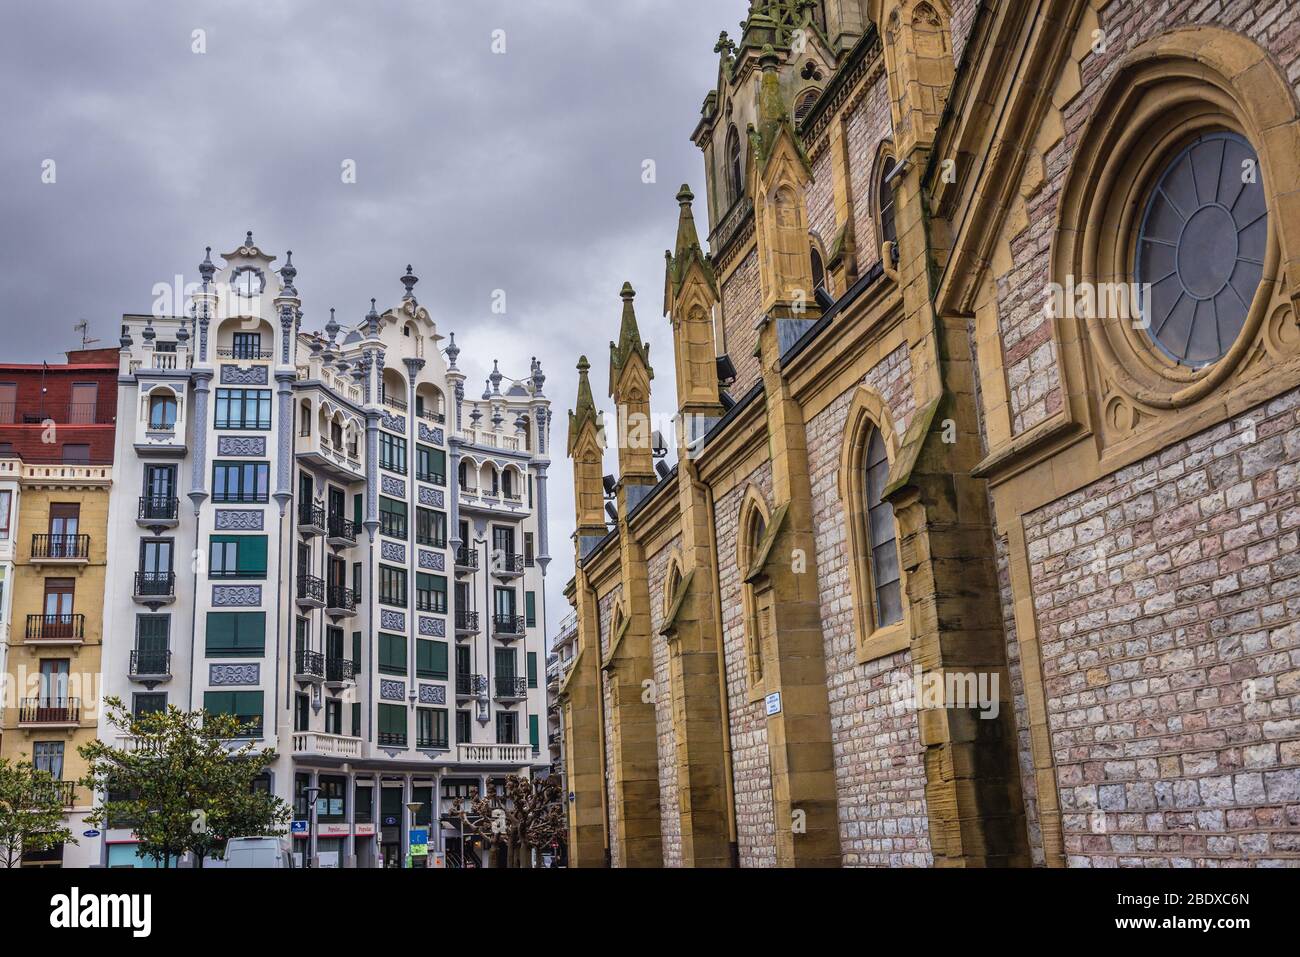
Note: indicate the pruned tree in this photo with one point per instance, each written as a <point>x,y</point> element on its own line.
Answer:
<point>530,814</point>
<point>31,812</point>
<point>181,784</point>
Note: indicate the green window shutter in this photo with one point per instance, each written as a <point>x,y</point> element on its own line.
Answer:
<point>534,733</point>
<point>530,609</point>
<point>219,702</point>
<point>392,719</point>
<point>252,556</point>
<point>532,669</point>
<point>440,660</point>
<point>236,634</point>
<point>392,654</point>
<point>423,658</point>
<point>356,720</point>
<point>356,651</point>
<point>439,462</point>
<point>356,510</point>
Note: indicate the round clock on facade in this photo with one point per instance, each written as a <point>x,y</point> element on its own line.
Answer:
<point>247,282</point>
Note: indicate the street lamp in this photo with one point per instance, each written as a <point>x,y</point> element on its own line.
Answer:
<point>312,794</point>
<point>413,808</point>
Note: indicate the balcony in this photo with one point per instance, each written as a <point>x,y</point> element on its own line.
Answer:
<point>466,623</point>
<point>311,592</point>
<point>60,549</point>
<point>470,686</point>
<point>155,588</point>
<point>393,402</point>
<point>340,461</point>
<point>70,413</point>
<point>246,352</point>
<point>466,559</point>
<point>311,519</point>
<point>431,478</point>
<point>316,745</point>
<point>49,712</point>
<point>342,533</point>
<point>151,667</point>
<point>508,627</point>
<point>308,667</point>
<point>55,629</point>
<point>510,688</point>
<point>431,744</point>
<point>507,564</point>
<point>340,602</point>
<point>339,672</point>
<point>391,739</point>
<point>158,512</point>
<point>63,793</point>
<point>513,754</point>
<point>432,416</point>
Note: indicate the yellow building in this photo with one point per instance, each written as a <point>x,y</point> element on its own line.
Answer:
<point>56,440</point>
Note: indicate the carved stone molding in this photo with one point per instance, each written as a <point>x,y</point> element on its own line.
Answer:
<point>236,596</point>
<point>236,445</point>
<point>239,519</point>
<point>244,673</point>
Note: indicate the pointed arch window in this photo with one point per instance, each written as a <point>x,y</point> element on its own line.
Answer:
<point>880,612</point>
<point>883,539</point>
<point>735,166</point>
<point>885,199</point>
<point>757,596</point>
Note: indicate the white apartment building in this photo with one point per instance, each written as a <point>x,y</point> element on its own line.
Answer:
<point>317,532</point>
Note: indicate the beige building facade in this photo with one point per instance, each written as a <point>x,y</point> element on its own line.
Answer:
<point>979,548</point>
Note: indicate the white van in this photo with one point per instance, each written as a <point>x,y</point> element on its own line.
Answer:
<point>259,852</point>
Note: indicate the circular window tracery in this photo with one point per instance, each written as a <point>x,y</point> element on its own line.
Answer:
<point>1201,247</point>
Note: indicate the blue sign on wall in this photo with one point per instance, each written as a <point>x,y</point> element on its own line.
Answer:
<point>298,827</point>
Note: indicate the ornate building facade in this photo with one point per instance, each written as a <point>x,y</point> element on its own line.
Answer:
<point>321,533</point>
<point>980,545</point>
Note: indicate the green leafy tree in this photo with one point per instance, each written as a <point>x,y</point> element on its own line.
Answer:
<point>181,783</point>
<point>31,812</point>
<point>530,814</point>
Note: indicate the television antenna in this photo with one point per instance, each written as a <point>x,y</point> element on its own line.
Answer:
<point>83,327</point>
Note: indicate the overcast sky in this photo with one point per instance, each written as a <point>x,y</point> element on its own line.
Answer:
<point>519,171</point>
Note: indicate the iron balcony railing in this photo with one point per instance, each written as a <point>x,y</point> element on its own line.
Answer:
<point>63,793</point>
<point>432,744</point>
<point>60,546</point>
<point>508,563</point>
<point>340,596</point>
<point>51,627</point>
<point>393,401</point>
<point>339,670</point>
<point>467,685</point>
<point>49,711</point>
<point>508,686</point>
<point>340,527</point>
<point>433,541</point>
<point>433,478</point>
<point>433,416</point>
<point>467,620</point>
<point>311,587</point>
<point>155,584</point>
<point>310,515</point>
<point>392,739</point>
<point>245,352</point>
<point>309,663</point>
<point>150,663</point>
<point>467,557</point>
<point>508,624</point>
<point>159,508</point>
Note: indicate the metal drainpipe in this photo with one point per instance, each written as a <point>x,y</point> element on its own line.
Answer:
<point>727,772</point>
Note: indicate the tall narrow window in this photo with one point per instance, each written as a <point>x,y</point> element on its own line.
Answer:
<point>881,535</point>
<point>885,199</point>
<point>735,167</point>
